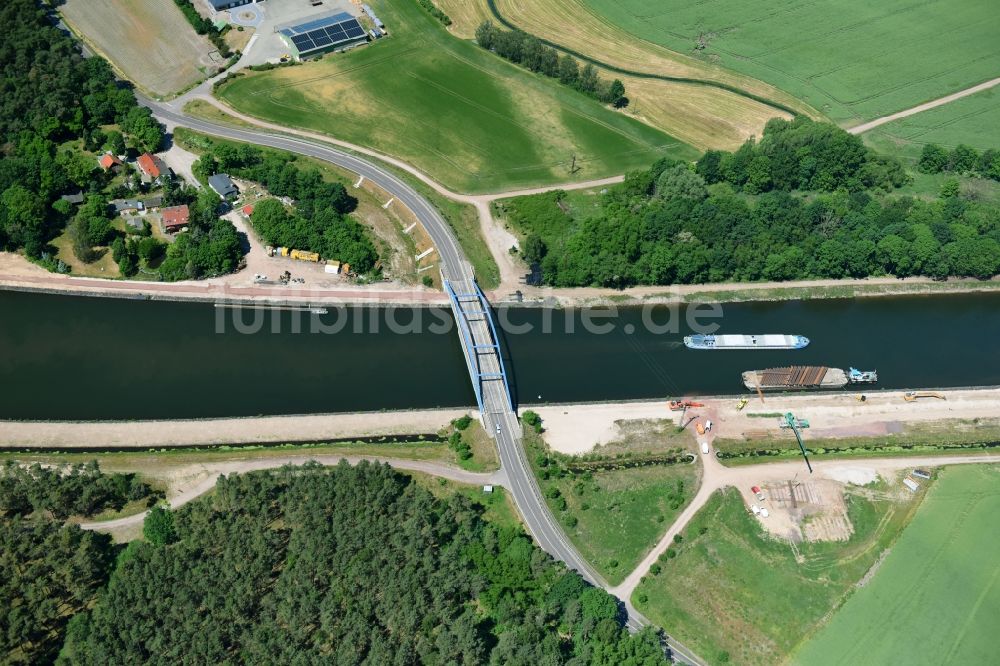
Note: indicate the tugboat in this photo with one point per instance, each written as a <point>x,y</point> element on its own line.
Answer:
<point>767,341</point>
<point>856,376</point>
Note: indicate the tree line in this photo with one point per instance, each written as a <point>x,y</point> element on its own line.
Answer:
<point>53,97</point>
<point>350,565</point>
<point>320,221</point>
<point>205,27</point>
<point>962,159</point>
<point>77,490</point>
<point>528,51</point>
<point>674,224</point>
<point>434,11</point>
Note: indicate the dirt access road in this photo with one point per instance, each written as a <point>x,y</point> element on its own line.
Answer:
<point>716,476</point>
<point>926,106</point>
<point>192,481</point>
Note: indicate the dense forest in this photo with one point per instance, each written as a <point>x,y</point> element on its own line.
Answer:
<point>528,51</point>
<point>49,571</point>
<point>808,201</point>
<point>320,221</point>
<point>350,565</point>
<point>54,106</point>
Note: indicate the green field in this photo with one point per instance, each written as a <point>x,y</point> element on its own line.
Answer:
<point>972,120</point>
<point>851,59</point>
<point>733,594</point>
<point>469,119</point>
<point>936,598</point>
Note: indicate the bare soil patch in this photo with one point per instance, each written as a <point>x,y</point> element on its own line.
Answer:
<point>150,43</point>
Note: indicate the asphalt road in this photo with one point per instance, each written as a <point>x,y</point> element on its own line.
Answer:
<point>454,267</point>
<point>453,263</point>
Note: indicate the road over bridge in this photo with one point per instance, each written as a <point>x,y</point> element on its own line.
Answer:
<point>477,334</point>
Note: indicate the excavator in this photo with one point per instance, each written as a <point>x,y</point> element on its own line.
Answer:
<point>910,396</point>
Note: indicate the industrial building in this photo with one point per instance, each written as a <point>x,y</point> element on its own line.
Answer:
<point>320,34</point>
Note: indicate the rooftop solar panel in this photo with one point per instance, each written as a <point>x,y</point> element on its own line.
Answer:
<point>322,32</point>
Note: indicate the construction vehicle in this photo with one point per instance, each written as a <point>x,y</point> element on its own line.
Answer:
<point>678,405</point>
<point>741,403</point>
<point>910,396</point>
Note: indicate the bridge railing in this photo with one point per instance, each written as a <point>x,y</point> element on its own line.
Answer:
<point>471,346</point>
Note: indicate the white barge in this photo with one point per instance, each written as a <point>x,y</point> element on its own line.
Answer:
<point>766,341</point>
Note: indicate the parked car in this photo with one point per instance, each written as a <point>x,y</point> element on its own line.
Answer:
<point>704,448</point>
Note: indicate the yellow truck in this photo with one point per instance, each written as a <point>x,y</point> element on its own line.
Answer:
<point>303,255</point>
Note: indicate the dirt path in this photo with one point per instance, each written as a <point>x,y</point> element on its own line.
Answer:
<point>196,480</point>
<point>716,476</point>
<point>941,101</point>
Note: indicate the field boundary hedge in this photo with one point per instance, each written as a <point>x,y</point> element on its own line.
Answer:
<point>646,75</point>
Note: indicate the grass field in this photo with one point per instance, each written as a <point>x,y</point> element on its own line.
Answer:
<point>936,598</point>
<point>702,116</point>
<point>469,119</point>
<point>614,517</point>
<point>733,594</point>
<point>972,120</point>
<point>150,43</point>
<point>852,60</point>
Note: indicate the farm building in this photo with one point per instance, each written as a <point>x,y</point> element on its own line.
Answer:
<point>320,34</point>
<point>220,5</point>
<point>175,218</point>
<point>223,185</point>
<point>151,166</point>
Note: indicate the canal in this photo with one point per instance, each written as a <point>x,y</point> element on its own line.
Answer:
<point>80,358</point>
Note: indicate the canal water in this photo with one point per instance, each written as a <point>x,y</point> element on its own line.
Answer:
<point>81,358</point>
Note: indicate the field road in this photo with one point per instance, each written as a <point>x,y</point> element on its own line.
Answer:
<point>201,478</point>
<point>926,106</point>
<point>717,476</point>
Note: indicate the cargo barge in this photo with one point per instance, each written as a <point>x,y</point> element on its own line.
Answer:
<point>805,377</point>
<point>766,341</point>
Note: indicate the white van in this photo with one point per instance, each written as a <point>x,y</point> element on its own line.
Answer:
<point>704,448</point>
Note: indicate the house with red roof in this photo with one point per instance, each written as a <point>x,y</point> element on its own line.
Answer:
<point>151,166</point>
<point>175,218</point>
<point>109,161</point>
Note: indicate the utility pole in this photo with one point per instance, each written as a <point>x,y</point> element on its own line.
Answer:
<point>572,168</point>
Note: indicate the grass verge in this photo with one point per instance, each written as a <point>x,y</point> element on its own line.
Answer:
<point>613,516</point>
<point>733,594</point>
<point>957,435</point>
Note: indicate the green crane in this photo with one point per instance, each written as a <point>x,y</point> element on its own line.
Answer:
<point>793,423</point>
